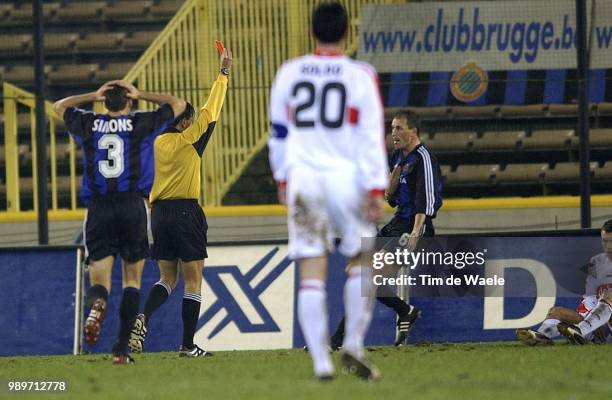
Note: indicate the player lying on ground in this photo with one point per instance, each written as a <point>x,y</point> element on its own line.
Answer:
<point>118,175</point>
<point>326,145</point>
<point>590,322</point>
<point>178,222</point>
<point>415,188</point>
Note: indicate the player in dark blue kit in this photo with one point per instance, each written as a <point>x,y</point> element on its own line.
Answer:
<point>415,187</point>
<point>118,174</point>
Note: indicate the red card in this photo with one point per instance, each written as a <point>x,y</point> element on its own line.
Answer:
<point>220,47</point>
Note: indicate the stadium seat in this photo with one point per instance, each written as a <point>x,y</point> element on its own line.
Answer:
<point>553,139</point>
<point>166,8</point>
<point>139,40</point>
<point>5,10</point>
<point>524,110</point>
<point>78,11</point>
<point>23,121</point>
<point>26,185</point>
<point>60,42</point>
<point>603,173</point>
<point>20,74</point>
<point>475,111</point>
<point>563,109</point>
<point>521,173</point>
<point>23,13</point>
<point>11,44</point>
<point>63,183</point>
<point>72,73</point>
<point>563,172</point>
<point>604,108</point>
<point>597,138</point>
<point>100,41</point>
<point>505,140</point>
<point>126,9</point>
<point>445,170</point>
<point>113,71</point>
<point>431,112</point>
<point>473,174</point>
<point>425,138</point>
<point>451,141</point>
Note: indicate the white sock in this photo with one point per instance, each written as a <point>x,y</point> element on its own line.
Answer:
<point>358,306</point>
<point>312,314</point>
<point>599,316</point>
<point>549,328</point>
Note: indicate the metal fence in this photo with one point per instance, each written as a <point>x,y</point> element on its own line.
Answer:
<point>182,60</point>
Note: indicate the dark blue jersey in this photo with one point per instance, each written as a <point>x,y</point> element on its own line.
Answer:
<point>117,151</point>
<point>420,183</point>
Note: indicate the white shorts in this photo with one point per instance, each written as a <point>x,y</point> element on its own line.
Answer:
<point>586,305</point>
<point>323,206</point>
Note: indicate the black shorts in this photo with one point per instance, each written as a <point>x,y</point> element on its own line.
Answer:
<point>179,230</point>
<point>398,226</point>
<point>116,223</point>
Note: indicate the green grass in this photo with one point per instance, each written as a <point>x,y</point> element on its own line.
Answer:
<point>446,371</point>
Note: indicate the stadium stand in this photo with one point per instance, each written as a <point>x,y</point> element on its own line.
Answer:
<point>487,149</point>
<point>86,43</point>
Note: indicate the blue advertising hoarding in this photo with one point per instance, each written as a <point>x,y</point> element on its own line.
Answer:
<point>249,297</point>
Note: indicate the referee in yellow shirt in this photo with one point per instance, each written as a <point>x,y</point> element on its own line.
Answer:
<point>178,222</point>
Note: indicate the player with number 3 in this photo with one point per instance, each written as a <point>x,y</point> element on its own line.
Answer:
<point>117,177</point>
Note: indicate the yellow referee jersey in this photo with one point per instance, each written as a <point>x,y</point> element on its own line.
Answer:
<point>178,154</point>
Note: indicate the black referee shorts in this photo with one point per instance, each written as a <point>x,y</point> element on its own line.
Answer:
<point>179,230</point>
<point>116,222</point>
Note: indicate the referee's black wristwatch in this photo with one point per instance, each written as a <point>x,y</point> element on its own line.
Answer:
<point>225,71</point>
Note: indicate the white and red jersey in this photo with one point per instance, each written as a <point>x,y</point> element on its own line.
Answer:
<point>598,280</point>
<point>326,115</point>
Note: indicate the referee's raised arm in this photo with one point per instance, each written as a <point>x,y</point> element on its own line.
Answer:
<point>209,113</point>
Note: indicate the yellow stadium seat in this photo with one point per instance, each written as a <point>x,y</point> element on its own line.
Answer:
<point>604,172</point>
<point>473,174</point>
<point>563,172</point>
<point>166,8</point>
<point>505,140</point>
<point>548,139</point>
<point>139,40</point>
<point>126,9</point>
<point>523,110</point>
<point>597,138</point>
<point>563,109</point>
<point>474,111</point>
<point>72,73</point>
<point>451,141</point>
<point>113,71</point>
<point>59,42</point>
<point>77,11</point>
<point>519,173</point>
<point>100,41</point>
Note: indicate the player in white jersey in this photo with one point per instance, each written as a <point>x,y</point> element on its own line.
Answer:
<point>598,293</point>
<point>589,322</point>
<point>328,157</point>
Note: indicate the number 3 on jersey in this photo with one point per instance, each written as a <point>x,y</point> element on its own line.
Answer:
<point>331,113</point>
<point>113,166</point>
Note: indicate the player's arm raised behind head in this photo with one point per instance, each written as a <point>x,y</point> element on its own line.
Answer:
<point>177,104</point>
<point>60,106</point>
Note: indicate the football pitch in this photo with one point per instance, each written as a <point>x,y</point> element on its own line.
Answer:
<point>442,371</point>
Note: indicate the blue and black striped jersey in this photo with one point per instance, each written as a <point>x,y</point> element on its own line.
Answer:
<point>420,185</point>
<point>117,151</point>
